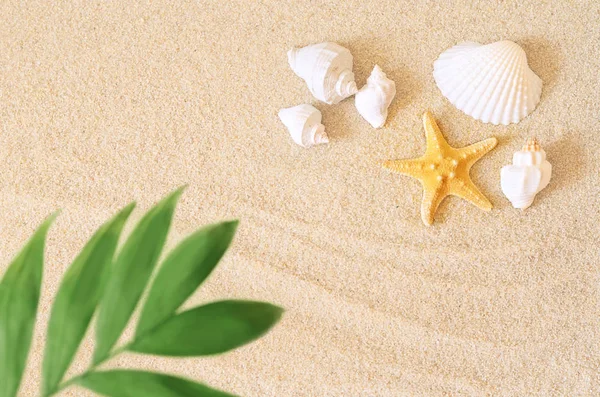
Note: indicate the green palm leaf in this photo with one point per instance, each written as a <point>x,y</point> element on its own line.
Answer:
<point>186,267</point>
<point>77,299</point>
<point>112,285</point>
<point>130,274</point>
<point>124,383</point>
<point>19,297</point>
<point>210,329</point>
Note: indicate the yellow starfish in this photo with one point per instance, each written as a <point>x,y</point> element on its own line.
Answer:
<point>444,170</point>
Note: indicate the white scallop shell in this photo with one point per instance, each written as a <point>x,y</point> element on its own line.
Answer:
<point>327,70</point>
<point>491,83</point>
<point>304,124</point>
<point>373,100</point>
<point>529,173</point>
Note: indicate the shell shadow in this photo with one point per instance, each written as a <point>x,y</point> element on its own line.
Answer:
<point>568,162</point>
<point>544,58</point>
<point>366,54</point>
<point>340,120</point>
<point>407,88</point>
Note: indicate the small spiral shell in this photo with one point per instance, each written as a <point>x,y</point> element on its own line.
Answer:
<point>304,125</point>
<point>373,100</point>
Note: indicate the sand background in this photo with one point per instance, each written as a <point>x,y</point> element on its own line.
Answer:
<point>104,102</point>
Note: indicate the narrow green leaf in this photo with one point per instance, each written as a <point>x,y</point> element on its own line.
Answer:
<point>77,299</point>
<point>130,383</point>
<point>186,267</point>
<point>209,329</point>
<point>130,273</point>
<point>19,297</point>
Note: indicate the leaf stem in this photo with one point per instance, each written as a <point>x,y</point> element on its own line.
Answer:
<point>92,368</point>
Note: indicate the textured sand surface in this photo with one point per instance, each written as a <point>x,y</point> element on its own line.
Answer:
<point>104,102</point>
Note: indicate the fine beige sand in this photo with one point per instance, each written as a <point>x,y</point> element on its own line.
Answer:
<point>104,102</point>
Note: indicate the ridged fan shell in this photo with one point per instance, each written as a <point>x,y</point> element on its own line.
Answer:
<point>492,83</point>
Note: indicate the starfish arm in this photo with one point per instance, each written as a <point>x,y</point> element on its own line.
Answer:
<point>468,191</point>
<point>436,143</point>
<point>474,152</point>
<point>410,167</point>
<point>444,170</point>
<point>430,203</point>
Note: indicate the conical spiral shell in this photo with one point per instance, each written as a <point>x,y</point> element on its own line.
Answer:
<point>327,70</point>
<point>492,83</point>
<point>520,184</point>
<point>532,145</point>
<point>304,125</point>
<point>529,173</point>
<point>373,100</point>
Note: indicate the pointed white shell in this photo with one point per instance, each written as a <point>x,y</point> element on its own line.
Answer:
<point>304,124</point>
<point>327,70</point>
<point>527,176</point>
<point>520,184</point>
<point>373,100</point>
<point>491,83</point>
